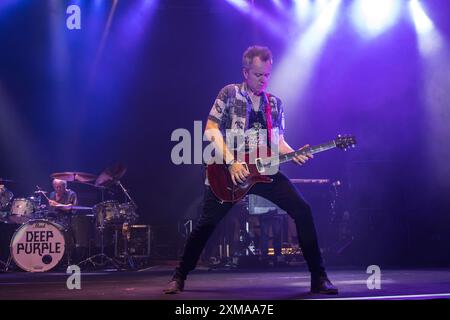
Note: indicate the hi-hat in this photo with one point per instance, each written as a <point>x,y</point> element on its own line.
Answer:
<point>74,176</point>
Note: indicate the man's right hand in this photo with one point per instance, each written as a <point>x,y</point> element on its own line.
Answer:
<point>238,173</point>
<point>52,203</point>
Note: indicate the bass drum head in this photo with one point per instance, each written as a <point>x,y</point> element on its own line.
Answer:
<point>38,246</point>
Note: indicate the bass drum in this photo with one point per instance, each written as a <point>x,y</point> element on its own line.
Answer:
<point>38,245</point>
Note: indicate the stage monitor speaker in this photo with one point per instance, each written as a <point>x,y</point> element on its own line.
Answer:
<point>135,241</point>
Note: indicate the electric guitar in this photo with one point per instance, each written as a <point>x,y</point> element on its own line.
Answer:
<point>260,167</point>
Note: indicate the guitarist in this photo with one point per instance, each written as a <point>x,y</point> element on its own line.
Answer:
<point>248,106</point>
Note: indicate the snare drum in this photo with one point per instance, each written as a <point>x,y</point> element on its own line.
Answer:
<point>21,210</point>
<point>38,245</point>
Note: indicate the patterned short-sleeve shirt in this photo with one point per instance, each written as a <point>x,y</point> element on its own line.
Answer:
<point>233,105</point>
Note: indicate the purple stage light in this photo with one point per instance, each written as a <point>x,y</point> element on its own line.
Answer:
<point>372,18</point>
<point>319,5</point>
<point>259,16</point>
<point>278,4</point>
<point>304,50</point>
<point>302,9</point>
<point>241,5</point>
<point>422,22</point>
<point>430,40</point>
<point>134,24</point>
<point>98,3</point>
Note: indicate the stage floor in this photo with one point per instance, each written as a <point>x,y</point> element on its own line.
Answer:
<point>203,284</point>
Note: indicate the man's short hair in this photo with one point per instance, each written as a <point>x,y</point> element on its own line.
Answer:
<point>255,51</point>
<point>58,181</point>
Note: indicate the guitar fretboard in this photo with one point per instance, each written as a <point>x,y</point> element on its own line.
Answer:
<point>272,161</point>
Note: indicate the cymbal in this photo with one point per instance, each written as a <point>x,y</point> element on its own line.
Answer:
<point>5,180</point>
<point>111,174</point>
<point>74,176</point>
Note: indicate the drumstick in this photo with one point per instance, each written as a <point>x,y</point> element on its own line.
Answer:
<point>42,192</point>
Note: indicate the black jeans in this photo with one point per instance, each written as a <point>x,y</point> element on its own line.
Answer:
<point>282,193</point>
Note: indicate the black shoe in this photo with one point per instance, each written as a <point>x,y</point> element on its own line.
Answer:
<point>174,286</point>
<point>322,285</point>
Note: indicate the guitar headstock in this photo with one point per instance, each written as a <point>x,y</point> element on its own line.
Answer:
<point>345,141</point>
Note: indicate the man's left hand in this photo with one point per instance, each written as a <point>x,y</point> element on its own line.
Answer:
<point>301,159</point>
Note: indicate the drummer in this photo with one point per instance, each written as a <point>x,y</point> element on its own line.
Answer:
<point>61,201</point>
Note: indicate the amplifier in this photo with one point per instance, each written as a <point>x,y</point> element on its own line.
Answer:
<point>135,241</point>
<point>260,205</point>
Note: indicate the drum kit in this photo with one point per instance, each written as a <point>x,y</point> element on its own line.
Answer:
<point>43,240</point>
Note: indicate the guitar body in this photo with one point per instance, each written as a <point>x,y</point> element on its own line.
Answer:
<point>222,186</point>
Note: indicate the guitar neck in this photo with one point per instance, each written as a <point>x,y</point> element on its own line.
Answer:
<point>313,150</point>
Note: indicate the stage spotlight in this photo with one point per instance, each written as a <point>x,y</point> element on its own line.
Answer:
<point>241,5</point>
<point>302,9</point>
<point>373,17</point>
<point>260,17</point>
<point>319,5</point>
<point>293,72</point>
<point>429,39</point>
<point>278,4</point>
<point>422,23</point>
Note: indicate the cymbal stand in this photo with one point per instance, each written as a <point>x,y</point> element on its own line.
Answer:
<point>125,191</point>
<point>7,265</point>
<point>4,266</point>
<point>104,258</point>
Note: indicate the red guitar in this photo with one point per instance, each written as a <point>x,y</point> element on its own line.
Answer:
<point>220,179</point>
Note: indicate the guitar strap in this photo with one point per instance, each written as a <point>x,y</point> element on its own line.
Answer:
<point>268,119</point>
